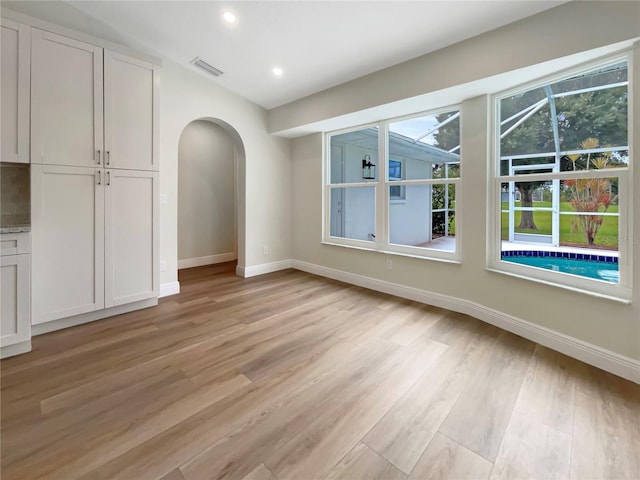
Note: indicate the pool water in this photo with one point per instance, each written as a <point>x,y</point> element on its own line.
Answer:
<point>583,268</point>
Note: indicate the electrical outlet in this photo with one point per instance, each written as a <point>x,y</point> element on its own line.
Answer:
<point>163,265</point>
<point>265,250</point>
<point>388,264</point>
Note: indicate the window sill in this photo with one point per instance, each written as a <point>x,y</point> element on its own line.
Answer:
<point>617,299</point>
<point>453,260</point>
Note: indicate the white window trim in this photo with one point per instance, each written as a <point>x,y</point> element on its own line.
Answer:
<point>381,243</point>
<point>621,292</point>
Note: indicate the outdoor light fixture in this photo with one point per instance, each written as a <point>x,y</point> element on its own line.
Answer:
<point>368,168</point>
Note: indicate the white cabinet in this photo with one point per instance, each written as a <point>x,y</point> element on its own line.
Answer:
<point>94,179</point>
<point>131,236</point>
<point>67,206</point>
<point>95,239</point>
<point>14,92</point>
<point>15,324</point>
<point>90,106</point>
<point>66,101</point>
<point>130,100</point>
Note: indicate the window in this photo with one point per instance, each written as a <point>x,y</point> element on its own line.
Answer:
<point>410,207</point>
<point>352,195</point>
<point>561,176</point>
<point>396,192</point>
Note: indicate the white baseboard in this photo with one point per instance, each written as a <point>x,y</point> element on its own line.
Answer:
<point>171,288</point>
<point>247,272</point>
<point>602,358</point>
<point>208,260</point>
<point>53,325</point>
<point>15,349</point>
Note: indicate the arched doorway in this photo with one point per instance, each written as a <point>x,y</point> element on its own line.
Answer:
<point>211,161</point>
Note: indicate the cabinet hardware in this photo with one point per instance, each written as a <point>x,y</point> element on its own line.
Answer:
<point>108,178</point>
<point>108,152</point>
<point>99,156</point>
<point>99,177</point>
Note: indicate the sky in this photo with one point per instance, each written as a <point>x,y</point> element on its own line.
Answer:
<point>416,127</point>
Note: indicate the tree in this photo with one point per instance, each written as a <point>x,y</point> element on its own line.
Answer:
<point>592,195</point>
<point>596,114</point>
<point>447,137</point>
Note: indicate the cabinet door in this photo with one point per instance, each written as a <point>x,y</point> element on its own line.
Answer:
<point>130,110</point>
<point>14,92</point>
<point>66,101</point>
<point>67,241</point>
<point>15,323</point>
<point>131,236</point>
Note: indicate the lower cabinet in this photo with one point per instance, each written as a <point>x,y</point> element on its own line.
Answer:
<point>15,322</point>
<point>131,236</point>
<point>94,239</point>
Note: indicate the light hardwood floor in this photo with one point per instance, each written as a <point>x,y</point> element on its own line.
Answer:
<point>292,376</point>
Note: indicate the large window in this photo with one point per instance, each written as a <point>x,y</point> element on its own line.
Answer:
<point>392,186</point>
<point>561,188</point>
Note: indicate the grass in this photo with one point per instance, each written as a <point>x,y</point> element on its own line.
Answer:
<point>607,236</point>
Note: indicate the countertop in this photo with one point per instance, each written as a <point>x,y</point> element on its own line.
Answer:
<point>15,229</point>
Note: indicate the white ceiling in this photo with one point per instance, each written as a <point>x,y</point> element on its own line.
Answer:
<point>318,44</point>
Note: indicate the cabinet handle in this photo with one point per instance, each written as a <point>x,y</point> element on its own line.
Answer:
<point>108,157</point>
<point>99,177</point>
<point>108,178</point>
<point>99,157</point>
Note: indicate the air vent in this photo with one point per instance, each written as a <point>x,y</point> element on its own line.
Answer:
<point>198,62</point>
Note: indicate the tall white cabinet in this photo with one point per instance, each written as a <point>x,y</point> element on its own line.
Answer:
<point>66,100</point>
<point>94,178</point>
<point>15,270</point>
<point>14,91</point>
<point>67,241</point>
<point>130,241</point>
<point>129,104</point>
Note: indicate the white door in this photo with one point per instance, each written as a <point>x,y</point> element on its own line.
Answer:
<point>14,92</point>
<point>15,324</point>
<point>130,101</point>
<point>131,236</point>
<point>67,241</point>
<point>66,101</point>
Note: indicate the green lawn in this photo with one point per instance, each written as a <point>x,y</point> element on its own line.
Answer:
<point>607,236</point>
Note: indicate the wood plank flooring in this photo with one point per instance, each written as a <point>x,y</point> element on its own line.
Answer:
<point>292,376</point>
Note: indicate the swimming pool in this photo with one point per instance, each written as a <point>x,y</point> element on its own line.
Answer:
<point>591,266</point>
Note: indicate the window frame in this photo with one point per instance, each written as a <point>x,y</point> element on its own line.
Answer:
<point>621,291</point>
<point>382,243</point>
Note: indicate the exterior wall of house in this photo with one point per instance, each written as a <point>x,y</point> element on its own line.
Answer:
<point>410,218</point>
<point>352,208</point>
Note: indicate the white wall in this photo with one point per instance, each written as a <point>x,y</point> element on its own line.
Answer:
<point>532,44</point>
<point>186,96</point>
<point>264,161</point>
<point>443,78</point>
<point>206,193</point>
<point>604,323</point>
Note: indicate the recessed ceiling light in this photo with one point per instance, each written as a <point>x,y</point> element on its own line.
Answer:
<point>277,71</point>
<point>229,17</point>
